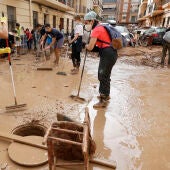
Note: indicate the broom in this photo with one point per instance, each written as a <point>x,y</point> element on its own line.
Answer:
<point>16,106</point>
<point>12,79</point>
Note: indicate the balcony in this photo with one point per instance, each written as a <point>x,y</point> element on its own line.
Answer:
<point>157,10</point>
<point>134,11</point>
<point>63,5</point>
<point>82,10</point>
<point>165,4</point>
<point>107,11</point>
<point>141,17</point>
<point>97,4</point>
<point>143,4</point>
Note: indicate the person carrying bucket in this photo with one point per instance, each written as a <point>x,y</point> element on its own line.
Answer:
<point>57,41</point>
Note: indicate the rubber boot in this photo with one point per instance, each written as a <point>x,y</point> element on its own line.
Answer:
<point>101,104</point>
<point>104,97</point>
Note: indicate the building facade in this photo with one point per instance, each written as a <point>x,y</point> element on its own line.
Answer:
<point>59,13</point>
<point>154,13</point>
<point>127,11</point>
<point>97,7</point>
<point>109,10</point>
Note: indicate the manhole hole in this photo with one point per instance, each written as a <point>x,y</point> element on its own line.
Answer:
<point>30,129</point>
<point>27,155</point>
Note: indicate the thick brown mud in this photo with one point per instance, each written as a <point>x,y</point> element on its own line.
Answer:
<point>133,130</point>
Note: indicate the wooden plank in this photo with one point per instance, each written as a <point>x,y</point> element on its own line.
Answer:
<point>67,131</point>
<point>20,139</point>
<point>65,141</point>
<point>103,163</point>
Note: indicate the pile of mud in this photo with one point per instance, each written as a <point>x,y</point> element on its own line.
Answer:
<point>47,112</point>
<point>143,58</point>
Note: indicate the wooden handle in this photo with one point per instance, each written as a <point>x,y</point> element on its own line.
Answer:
<point>19,139</point>
<point>103,163</point>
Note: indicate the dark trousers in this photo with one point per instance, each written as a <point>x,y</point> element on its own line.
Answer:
<point>29,44</point>
<point>108,57</point>
<point>75,56</point>
<point>166,47</point>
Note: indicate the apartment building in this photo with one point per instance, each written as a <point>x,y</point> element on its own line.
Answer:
<point>154,13</point>
<point>59,13</point>
<point>127,11</point>
<point>109,9</point>
<point>97,7</point>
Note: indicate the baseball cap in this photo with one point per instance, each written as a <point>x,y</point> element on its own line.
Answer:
<point>90,16</point>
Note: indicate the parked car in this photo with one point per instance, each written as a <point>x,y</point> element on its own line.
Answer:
<point>129,36</point>
<point>154,33</point>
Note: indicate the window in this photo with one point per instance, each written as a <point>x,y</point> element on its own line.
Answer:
<point>54,21</point>
<point>133,19</point>
<point>35,18</point>
<point>124,17</point>
<point>11,12</point>
<point>67,25</point>
<point>163,22</point>
<point>46,19</point>
<point>61,26</point>
<point>168,21</point>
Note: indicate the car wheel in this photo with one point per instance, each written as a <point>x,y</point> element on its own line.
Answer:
<point>144,43</point>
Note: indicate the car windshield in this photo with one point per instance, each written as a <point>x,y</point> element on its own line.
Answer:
<point>122,29</point>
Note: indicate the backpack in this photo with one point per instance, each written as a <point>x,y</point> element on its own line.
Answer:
<point>166,37</point>
<point>115,36</point>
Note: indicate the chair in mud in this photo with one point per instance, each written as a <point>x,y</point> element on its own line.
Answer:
<point>68,143</point>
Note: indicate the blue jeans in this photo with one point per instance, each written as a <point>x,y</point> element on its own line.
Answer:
<point>108,57</point>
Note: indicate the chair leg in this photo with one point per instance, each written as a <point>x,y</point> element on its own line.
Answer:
<point>50,154</point>
<point>86,161</point>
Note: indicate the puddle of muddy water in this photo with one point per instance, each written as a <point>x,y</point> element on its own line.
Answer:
<point>129,131</point>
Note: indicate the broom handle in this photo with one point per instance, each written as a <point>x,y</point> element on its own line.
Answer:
<point>11,71</point>
<point>82,73</point>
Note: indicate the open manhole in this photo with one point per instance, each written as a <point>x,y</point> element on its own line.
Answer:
<point>30,129</point>
<point>28,155</point>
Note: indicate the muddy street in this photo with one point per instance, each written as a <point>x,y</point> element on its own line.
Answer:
<point>133,131</point>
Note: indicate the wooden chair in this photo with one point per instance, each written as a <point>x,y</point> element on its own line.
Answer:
<point>54,139</point>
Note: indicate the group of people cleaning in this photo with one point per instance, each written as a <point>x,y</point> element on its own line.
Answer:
<point>108,55</point>
<point>98,37</point>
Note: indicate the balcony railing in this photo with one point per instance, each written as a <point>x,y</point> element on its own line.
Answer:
<point>67,2</point>
<point>165,2</point>
<point>65,5</point>
<point>97,3</point>
<point>81,9</point>
<point>134,11</point>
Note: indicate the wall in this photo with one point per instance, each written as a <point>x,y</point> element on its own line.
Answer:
<point>23,15</point>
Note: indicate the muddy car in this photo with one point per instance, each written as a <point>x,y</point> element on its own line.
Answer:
<point>128,36</point>
<point>155,33</point>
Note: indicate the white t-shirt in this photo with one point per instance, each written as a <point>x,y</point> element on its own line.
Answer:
<point>78,29</point>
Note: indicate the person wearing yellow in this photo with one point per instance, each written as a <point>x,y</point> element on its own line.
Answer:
<point>4,29</point>
<point>18,38</point>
